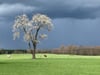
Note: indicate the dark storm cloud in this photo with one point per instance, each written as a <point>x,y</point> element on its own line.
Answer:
<point>79,9</point>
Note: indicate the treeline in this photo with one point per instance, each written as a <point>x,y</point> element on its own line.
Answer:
<point>72,49</point>
<point>78,50</point>
<point>12,51</point>
<point>22,51</point>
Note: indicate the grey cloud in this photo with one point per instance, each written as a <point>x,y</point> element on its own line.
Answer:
<point>28,2</point>
<point>79,9</point>
<point>11,10</point>
<point>71,9</point>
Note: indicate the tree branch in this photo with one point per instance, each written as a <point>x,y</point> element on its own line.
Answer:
<point>37,33</point>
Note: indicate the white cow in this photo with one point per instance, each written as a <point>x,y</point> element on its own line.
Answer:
<point>9,56</point>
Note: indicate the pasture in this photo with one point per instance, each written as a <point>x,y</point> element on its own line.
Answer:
<point>22,64</point>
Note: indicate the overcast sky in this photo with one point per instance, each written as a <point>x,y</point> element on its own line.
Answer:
<point>76,22</point>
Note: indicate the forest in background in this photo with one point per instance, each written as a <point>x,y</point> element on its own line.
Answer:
<point>71,49</point>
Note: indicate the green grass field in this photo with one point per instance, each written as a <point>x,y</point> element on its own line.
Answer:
<point>22,64</point>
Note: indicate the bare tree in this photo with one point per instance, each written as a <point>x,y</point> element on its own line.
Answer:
<point>31,29</point>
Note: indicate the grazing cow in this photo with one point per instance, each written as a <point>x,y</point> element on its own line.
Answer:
<point>45,55</point>
<point>9,56</point>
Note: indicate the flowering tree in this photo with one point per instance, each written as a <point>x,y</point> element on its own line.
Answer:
<point>31,29</point>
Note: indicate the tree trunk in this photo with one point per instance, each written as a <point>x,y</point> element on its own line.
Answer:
<point>35,44</point>
<point>33,51</point>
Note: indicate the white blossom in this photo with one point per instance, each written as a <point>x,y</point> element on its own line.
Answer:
<point>29,24</point>
<point>27,37</point>
<point>21,21</point>
<point>35,27</point>
<point>30,27</point>
<point>42,21</point>
<point>42,36</point>
<point>16,35</point>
